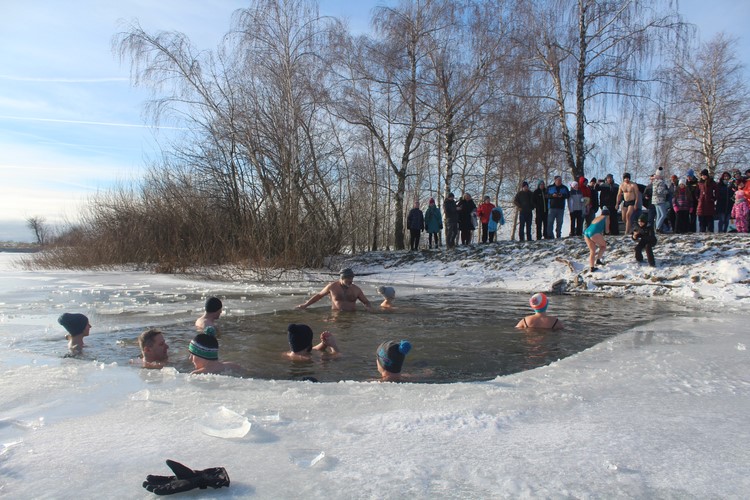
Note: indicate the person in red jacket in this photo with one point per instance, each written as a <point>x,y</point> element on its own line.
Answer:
<point>707,191</point>
<point>483,212</point>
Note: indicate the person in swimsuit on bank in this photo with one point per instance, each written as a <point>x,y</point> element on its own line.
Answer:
<point>594,238</point>
<point>628,195</point>
<point>344,294</point>
<point>540,319</point>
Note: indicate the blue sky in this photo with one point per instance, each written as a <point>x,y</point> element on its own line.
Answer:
<point>72,125</point>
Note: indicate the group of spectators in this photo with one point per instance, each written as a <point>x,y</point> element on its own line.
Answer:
<point>672,205</point>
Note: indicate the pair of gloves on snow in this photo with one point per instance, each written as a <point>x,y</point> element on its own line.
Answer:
<point>186,479</point>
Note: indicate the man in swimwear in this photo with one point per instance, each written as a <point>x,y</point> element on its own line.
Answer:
<point>207,322</point>
<point>344,294</point>
<point>204,354</point>
<point>628,195</point>
<point>154,349</point>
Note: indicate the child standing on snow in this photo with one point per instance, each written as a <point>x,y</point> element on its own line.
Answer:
<point>644,235</point>
<point>740,212</point>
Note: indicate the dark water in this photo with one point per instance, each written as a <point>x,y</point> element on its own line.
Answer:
<point>465,335</point>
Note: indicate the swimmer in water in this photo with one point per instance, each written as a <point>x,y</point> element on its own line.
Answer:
<point>389,294</point>
<point>344,294</point>
<point>207,322</point>
<point>77,325</point>
<point>540,319</point>
<point>300,339</point>
<point>389,359</point>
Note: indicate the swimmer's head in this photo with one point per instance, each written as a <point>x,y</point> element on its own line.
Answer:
<point>74,323</point>
<point>204,346</point>
<point>387,292</point>
<point>538,302</point>
<point>213,304</point>
<point>346,273</point>
<point>391,355</point>
<point>300,337</point>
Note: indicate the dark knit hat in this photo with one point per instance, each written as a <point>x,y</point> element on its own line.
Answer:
<point>524,184</point>
<point>74,323</point>
<point>346,273</point>
<point>204,346</point>
<point>391,354</point>
<point>213,304</point>
<point>300,337</point>
<point>704,172</point>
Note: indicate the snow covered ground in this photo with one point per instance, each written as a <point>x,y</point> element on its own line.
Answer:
<point>660,411</point>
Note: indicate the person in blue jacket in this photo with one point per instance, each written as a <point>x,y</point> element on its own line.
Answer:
<point>557,194</point>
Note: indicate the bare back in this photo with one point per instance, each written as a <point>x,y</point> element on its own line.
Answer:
<point>540,321</point>
<point>344,298</point>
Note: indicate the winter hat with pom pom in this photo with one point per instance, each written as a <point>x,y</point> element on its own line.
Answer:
<point>659,173</point>
<point>204,346</point>
<point>391,354</point>
<point>538,302</point>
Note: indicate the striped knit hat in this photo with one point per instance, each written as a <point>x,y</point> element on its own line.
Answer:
<point>204,346</point>
<point>538,302</point>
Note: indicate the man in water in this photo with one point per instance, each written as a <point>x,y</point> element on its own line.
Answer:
<point>153,349</point>
<point>207,322</point>
<point>204,354</point>
<point>344,294</point>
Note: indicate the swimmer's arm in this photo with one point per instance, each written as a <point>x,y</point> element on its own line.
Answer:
<point>316,297</point>
<point>363,299</point>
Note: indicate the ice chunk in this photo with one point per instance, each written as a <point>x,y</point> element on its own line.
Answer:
<point>306,457</point>
<point>142,395</point>
<point>224,423</point>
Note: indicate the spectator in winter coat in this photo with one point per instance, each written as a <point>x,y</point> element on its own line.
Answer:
<point>608,190</point>
<point>741,212</point>
<point>540,210</point>
<point>706,202</point>
<point>583,187</point>
<point>660,192</point>
<point>466,208</point>
<point>557,193</point>
<point>415,225</point>
<point>724,202</point>
<point>433,222</point>
<point>575,209</point>
<point>451,220</point>
<point>593,203</point>
<point>682,202</point>
<point>483,213</point>
<point>524,202</point>
<point>496,219</point>
<point>692,185</point>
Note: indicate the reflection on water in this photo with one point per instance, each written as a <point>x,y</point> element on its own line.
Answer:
<point>462,335</point>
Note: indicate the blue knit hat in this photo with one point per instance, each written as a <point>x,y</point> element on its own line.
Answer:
<point>391,354</point>
<point>74,323</point>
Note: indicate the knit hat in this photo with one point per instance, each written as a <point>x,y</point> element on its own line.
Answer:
<point>213,304</point>
<point>346,273</point>
<point>300,337</point>
<point>643,218</point>
<point>524,184</point>
<point>538,302</point>
<point>387,291</point>
<point>539,183</point>
<point>432,201</point>
<point>391,354</point>
<point>204,346</point>
<point>691,172</point>
<point>74,323</point>
<point>683,182</point>
<point>659,173</point>
<point>704,172</point>
<point>574,185</point>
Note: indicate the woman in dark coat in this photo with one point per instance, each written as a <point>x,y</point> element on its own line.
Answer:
<point>466,207</point>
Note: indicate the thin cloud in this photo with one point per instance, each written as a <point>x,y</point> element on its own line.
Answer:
<point>85,122</point>
<point>63,80</point>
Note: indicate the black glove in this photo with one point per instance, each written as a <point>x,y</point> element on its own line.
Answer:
<point>186,479</point>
